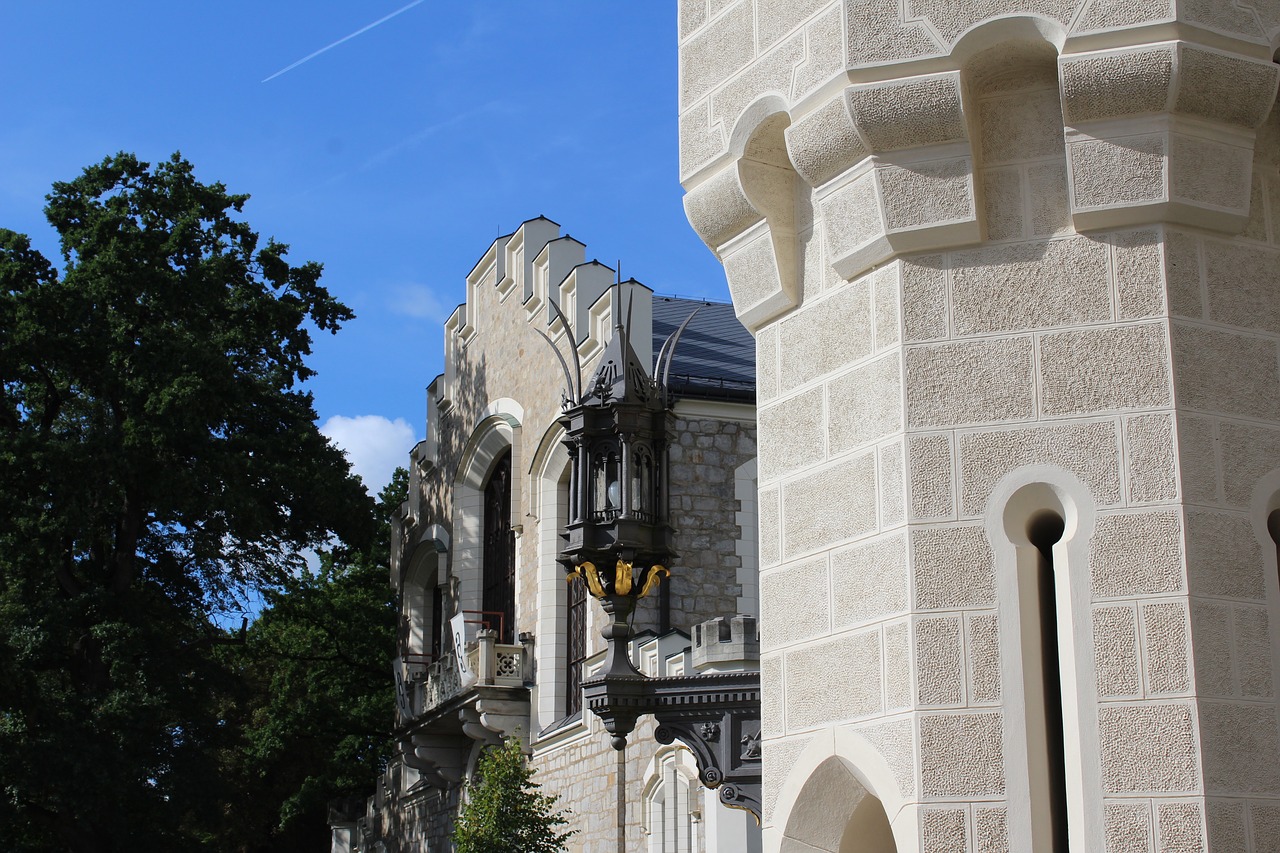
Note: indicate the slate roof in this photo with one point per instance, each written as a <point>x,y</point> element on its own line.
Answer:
<point>716,356</point>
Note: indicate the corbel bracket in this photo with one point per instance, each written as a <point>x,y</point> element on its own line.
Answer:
<point>716,715</point>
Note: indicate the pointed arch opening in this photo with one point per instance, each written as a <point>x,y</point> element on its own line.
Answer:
<point>835,811</point>
<point>487,501</point>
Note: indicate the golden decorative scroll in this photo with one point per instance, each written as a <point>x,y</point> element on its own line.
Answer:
<point>588,570</point>
<point>655,576</point>
<point>622,578</point>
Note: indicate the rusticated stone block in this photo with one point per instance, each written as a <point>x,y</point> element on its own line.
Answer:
<point>939,661</point>
<point>961,755</point>
<point>789,609</point>
<point>1149,446</point>
<point>1115,645</point>
<point>945,830</point>
<point>969,382</point>
<point>835,503</point>
<point>1240,745</point>
<point>984,658</point>
<point>716,53</point>
<point>870,580</point>
<point>836,680</point>
<point>953,568</point>
<point>1078,372</point>
<point>1090,450</point>
<point>1168,651</point>
<point>864,404</point>
<point>1127,826</point>
<point>1017,287</point>
<point>1148,748</point>
<point>931,472</point>
<point>826,335</point>
<point>795,429</point>
<point>1136,554</point>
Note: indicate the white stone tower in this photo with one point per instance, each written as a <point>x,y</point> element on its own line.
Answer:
<point>1013,270</point>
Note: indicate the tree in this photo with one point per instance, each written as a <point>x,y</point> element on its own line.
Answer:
<point>317,724</point>
<point>157,458</point>
<point>504,813</point>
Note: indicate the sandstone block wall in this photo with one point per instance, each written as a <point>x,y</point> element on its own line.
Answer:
<point>1000,259</point>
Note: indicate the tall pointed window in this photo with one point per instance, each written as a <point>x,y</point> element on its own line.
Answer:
<point>499,573</point>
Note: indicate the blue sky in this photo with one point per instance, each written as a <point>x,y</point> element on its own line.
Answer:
<point>394,157</point>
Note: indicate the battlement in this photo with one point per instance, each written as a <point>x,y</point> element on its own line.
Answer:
<point>726,643</point>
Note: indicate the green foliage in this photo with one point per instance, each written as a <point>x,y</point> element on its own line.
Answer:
<point>504,813</point>
<point>317,725</point>
<point>157,457</point>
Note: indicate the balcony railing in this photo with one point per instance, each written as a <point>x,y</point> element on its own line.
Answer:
<point>493,664</point>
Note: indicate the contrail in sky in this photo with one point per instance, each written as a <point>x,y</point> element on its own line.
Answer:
<point>329,47</point>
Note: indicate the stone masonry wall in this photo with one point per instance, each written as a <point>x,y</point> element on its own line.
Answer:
<point>704,580</point>
<point>1026,268</point>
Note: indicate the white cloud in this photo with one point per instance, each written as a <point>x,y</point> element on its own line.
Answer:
<point>417,300</point>
<point>374,445</point>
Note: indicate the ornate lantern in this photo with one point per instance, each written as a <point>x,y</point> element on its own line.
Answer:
<point>619,538</point>
<point>619,541</point>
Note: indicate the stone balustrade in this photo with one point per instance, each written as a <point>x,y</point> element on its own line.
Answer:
<point>493,664</point>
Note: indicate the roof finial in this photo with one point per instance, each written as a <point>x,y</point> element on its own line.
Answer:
<point>617,302</point>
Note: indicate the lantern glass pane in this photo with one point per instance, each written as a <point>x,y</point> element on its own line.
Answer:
<point>642,484</point>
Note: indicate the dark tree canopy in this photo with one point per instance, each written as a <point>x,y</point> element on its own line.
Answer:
<point>319,711</point>
<point>157,456</point>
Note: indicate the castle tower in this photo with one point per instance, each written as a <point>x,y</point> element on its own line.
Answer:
<point>1013,271</point>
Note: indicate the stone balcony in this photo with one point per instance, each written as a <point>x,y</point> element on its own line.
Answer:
<point>494,665</point>
<point>442,715</point>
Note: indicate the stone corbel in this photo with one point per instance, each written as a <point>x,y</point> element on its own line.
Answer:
<point>473,728</point>
<point>494,719</point>
<point>893,170</point>
<point>440,759</point>
<point>1163,132</point>
<point>746,215</point>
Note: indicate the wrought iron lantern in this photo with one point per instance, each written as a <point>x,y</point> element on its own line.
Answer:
<point>619,539</point>
<point>619,542</point>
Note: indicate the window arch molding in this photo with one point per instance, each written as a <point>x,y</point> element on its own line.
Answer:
<point>497,431</point>
<point>549,475</point>
<point>837,753</point>
<point>1016,504</point>
<point>427,566</point>
<point>670,796</point>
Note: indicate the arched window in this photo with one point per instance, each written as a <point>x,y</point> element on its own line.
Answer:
<point>498,585</point>
<point>1044,691</point>
<point>669,806</point>
<point>1055,784</point>
<point>642,484</point>
<point>563,613</point>
<point>606,488</point>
